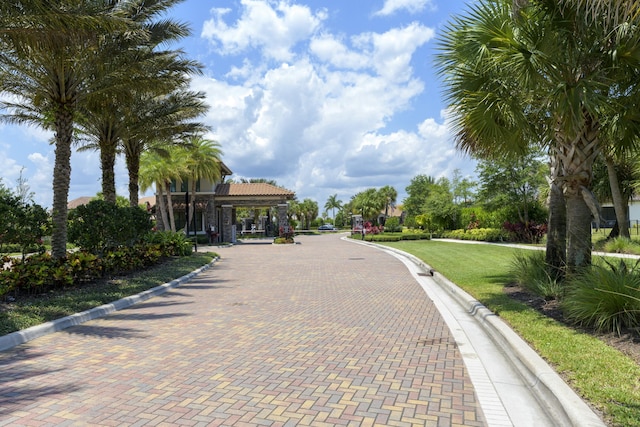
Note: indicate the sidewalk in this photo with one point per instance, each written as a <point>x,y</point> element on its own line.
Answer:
<point>324,332</point>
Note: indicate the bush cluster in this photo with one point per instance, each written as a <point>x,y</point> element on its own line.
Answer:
<point>604,296</point>
<point>100,227</point>
<point>478,234</point>
<point>41,273</point>
<point>22,226</point>
<point>392,237</point>
<point>111,240</point>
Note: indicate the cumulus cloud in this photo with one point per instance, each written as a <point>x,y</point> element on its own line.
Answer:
<point>316,120</point>
<point>274,30</point>
<point>412,6</point>
<point>292,99</point>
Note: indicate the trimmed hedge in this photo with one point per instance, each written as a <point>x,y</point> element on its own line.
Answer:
<point>392,237</point>
<point>39,274</point>
<point>478,234</point>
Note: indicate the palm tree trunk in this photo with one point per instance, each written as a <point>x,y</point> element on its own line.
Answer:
<point>133,167</point>
<point>619,204</point>
<point>577,156</point>
<point>61,180</point>
<point>162,205</point>
<point>172,220</point>
<point>192,204</point>
<point>107,164</point>
<point>579,232</point>
<point>556,254</point>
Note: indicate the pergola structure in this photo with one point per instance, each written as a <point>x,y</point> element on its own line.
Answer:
<point>229,197</point>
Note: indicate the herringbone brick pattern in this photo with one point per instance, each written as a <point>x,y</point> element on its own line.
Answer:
<point>320,333</point>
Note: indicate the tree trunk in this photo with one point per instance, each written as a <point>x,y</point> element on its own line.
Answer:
<point>162,206</point>
<point>556,254</point>
<point>579,232</point>
<point>577,155</point>
<point>107,164</point>
<point>133,167</point>
<point>192,205</point>
<point>619,205</point>
<point>61,180</point>
<point>172,220</point>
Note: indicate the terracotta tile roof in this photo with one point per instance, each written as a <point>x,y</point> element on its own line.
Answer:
<point>251,189</point>
<point>150,199</point>
<point>72,204</point>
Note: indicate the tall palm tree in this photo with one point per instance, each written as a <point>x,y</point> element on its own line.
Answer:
<point>49,52</point>
<point>148,73</point>
<point>157,122</point>
<point>544,72</point>
<point>389,195</point>
<point>202,158</point>
<point>160,170</point>
<point>333,203</point>
<point>309,211</point>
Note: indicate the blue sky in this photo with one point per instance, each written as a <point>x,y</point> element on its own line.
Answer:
<point>324,97</point>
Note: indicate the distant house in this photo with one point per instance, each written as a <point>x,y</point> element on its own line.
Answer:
<point>392,212</point>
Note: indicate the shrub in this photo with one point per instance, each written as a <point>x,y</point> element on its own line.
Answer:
<point>23,226</point>
<point>622,245</point>
<point>531,271</point>
<point>99,226</point>
<point>41,273</point>
<point>171,243</point>
<point>530,232</point>
<point>392,225</point>
<point>477,234</point>
<point>606,298</point>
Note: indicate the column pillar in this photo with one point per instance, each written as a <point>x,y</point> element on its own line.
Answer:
<point>283,219</point>
<point>227,224</point>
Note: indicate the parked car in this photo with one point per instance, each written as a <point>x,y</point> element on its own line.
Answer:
<point>326,227</point>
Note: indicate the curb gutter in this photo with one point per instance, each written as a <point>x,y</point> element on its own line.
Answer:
<point>558,399</point>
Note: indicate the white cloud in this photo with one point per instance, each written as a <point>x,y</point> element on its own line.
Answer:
<point>315,121</point>
<point>412,6</point>
<point>275,28</point>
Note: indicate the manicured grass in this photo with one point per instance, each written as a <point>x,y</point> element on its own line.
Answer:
<point>30,311</point>
<point>605,377</point>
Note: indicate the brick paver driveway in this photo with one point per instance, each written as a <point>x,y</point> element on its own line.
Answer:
<point>324,332</point>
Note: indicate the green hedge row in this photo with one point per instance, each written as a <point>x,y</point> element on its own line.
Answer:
<point>392,237</point>
<point>41,273</point>
<point>478,234</point>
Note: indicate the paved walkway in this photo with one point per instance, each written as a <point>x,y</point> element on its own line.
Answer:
<point>325,332</point>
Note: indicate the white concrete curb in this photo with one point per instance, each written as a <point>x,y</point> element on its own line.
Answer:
<point>20,337</point>
<point>558,399</point>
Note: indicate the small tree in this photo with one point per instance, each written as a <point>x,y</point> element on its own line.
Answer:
<point>99,226</point>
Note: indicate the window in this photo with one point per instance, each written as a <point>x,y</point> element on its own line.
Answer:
<point>184,186</point>
<point>198,220</point>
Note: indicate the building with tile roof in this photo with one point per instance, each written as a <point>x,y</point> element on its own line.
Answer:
<point>216,204</point>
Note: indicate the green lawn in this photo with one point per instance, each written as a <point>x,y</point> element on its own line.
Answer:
<point>606,378</point>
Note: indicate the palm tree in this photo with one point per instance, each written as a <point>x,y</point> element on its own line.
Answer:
<point>49,52</point>
<point>368,203</point>
<point>333,203</point>
<point>545,76</point>
<point>156,123</point>
<point>308,210</point>
<point>161,169</point>
<point>389,195</point>
<point>148,75</point>
<point>202,158</point>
